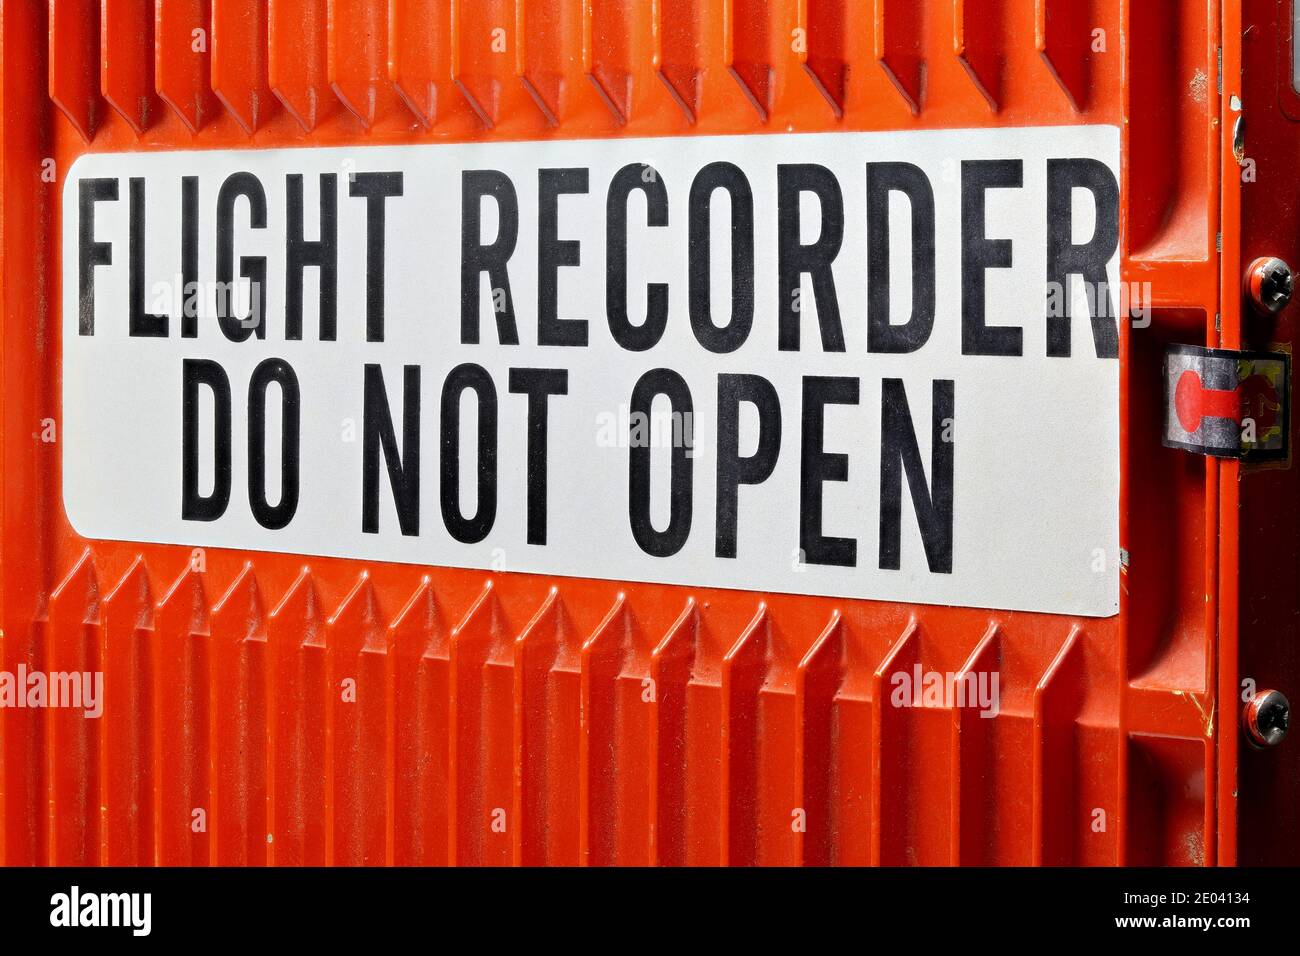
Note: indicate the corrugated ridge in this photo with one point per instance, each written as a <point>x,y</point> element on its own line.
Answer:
<point>181,769</point>
<point>239,61</point>
<point>1063,37</point>
<point>608,55</point>
<point>759,803</point>
<point>481,32</point>
<point>72,743</point>
<point>620,698</point>
<point>298,60</point>
<point>420,660</point>
<point>74,61</point>
<point>677,54</point>
<point>817,680</point>
<point>1058,813</point>
<point>237,736</point>
<point>128,651</point>
<point>898,48</point>
<point>546,815</point>
<point>419,55</point>
<point>672,663</point>
<point>747,45</point>
<point>979,40</point>
<point>183,60</point>
<point>296,726</point>
<point>821,41</point>
<point>356,652</point>
<point>359,59</point>
<point>972,811</point>
<point>481,761</point>
<point>126,61</point>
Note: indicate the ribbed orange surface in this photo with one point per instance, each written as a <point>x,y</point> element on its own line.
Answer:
<point>517,719</point>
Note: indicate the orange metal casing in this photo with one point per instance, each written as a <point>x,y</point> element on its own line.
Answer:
<point>611,722</point>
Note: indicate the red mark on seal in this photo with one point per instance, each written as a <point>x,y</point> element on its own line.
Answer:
<point>1193,401</point>
<point>1256,398</point>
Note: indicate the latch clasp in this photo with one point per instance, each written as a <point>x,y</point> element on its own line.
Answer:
<point>1226,403</point>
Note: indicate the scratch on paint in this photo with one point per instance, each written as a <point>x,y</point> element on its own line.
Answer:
<point>1207,716</point>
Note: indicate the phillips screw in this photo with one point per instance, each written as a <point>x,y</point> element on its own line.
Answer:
<point>1266,718</point>
<point>1270,283</point>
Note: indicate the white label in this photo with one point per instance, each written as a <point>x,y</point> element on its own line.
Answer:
<point>868,365</point>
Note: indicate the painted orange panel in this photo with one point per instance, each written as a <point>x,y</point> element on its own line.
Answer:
<point>605,722</point>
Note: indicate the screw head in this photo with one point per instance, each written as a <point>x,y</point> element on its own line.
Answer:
<point>1267,718</point>
<point>1270,283</point>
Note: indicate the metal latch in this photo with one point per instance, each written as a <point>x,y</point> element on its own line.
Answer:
<point>1226,403</point>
